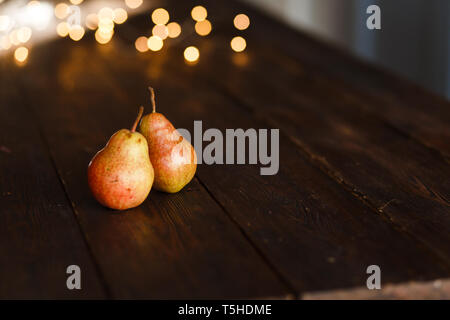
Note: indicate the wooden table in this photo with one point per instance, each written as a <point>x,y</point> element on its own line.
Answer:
<point>364,169</point>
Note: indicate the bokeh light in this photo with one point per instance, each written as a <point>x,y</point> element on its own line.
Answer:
<point>133,4</point>
<point>141,44</point>
<point>102,36</point>
<point>5,44</point>
<point>240,59</point>
<point>76,32</point>
<point>76,2</point>
<point>120,15</point>
<point>203,27</point>
<point>4,23</point>
<point>241,21</point>
<point>92,21</point>
<point>155,43</point>
<point>174,29</point>
<point>24,34</point>
<point>106,24</point>
<point>37,14</point>
<point>199,13</point>
<point>21,54</point>
<point>106,13</point>
<point>62,29</point>
<point>238,44</point>
<point>33,3</point>
<point>61,10</point>
<point>191,54</point>
<point>160,31</point>
<point>160,16</point>
<point>14,38</point>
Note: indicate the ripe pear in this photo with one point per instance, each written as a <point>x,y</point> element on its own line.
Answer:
<point>121,175</point>
<point>173,157</point>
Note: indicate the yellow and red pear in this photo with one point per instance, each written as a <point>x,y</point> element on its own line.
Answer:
<point>173,157</point>
<point>121,175</point>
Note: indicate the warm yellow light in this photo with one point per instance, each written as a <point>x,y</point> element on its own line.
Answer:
<point>120,15</point>
<point>21,54</point>
<point>106,24</point>
<point>24,34</point>
<point>203,28</point>
<point>103,37</point>
<point>133,4</point>
<point>62,29</point>
<point>160,31</point>
<point>75,2</point>
<point>199,13</point>
<point>191,54</point>
<point>155,43</point>
<point>38,14</point>
<point>141,44</point>
<point>106,13</point>
<point>105,33</point>
<point>241,21</point>
<point>174,29</point>
<point>160,16</point>
<point>240,59</point>
<point>92,21</point>
<point>61,10</point>
<point>4,23</point>
<point>5,43</point>
<point>238,44</point>
<point>33,3</point>
<point>14,38</point>
<point>76,32</point>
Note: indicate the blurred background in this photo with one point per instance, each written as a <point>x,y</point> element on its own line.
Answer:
<point>414,40</point>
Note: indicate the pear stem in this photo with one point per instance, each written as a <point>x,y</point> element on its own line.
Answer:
<point>152,98</point>
<point>141,111</point>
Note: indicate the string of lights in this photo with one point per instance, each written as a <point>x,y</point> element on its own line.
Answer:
<point>21,22</point>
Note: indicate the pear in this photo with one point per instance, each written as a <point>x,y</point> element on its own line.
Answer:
<point>173,157</point>
<point>121,175</point>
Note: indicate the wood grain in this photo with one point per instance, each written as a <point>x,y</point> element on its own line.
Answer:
<point>364,167</point>
<point>296,218</point>
<point>372,158</point>
<point>39,236</point>
<point>395,175</point>
<point>173,246</point>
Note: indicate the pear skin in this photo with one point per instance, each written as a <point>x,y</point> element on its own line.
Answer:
<point>173,157</point>
<point>121,175</point>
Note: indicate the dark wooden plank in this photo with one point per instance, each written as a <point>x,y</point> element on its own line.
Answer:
<point>400,103</point>
<point>332,129</point>
<point>314,232</point>
<point>39,235</point>
<point>392,173</point>
<point>173,246</point>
